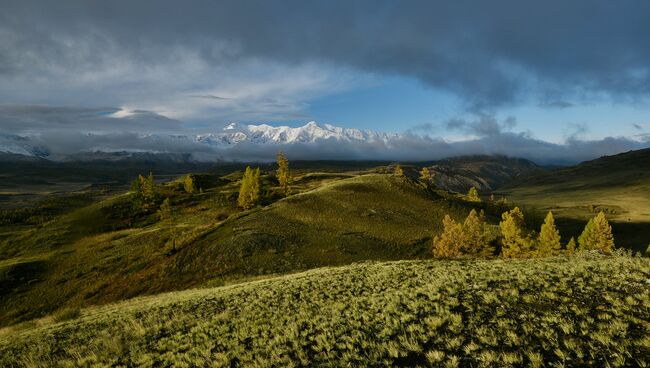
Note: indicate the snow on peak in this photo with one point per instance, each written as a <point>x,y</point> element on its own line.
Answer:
<point>311,132</point>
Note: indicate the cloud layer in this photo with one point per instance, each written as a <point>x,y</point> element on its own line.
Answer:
<point>60,132</point>
<point>264,56</point>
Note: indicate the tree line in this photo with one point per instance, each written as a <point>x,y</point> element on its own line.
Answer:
<point>473,237</point>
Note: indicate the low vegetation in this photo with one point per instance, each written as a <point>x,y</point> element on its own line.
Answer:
<point>555,312</point>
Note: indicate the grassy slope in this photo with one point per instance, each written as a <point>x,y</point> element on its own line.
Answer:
<point>552,312</point>
<point>89,256</point>
<point>618,184</point>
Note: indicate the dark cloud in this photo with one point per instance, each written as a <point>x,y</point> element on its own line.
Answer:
<point>557,104</point>
<point>637,126</point>
<point>489,53</point>
<point>483,126</point>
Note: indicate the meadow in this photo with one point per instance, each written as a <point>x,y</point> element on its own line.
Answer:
<point>589,310</point>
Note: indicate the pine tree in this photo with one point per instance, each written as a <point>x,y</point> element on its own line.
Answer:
<point>283,174</point>
<point>571,246</point>
<point>548,242</point>
<point>449,243</point>
<point>474,234</point>
<point>472,195</point>
<point>398,171</point>
<point>425,176</point>
<point>189,184</point>
<point>167,214</point>
<point>597,235</point>
<point>249,190</point>
<point>512,229</point>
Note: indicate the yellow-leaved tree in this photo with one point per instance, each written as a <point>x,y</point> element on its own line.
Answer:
<point>283,174</point>
<point>548,241</point>
<point>472,195</point>
<point>425,176</point>
<point>249,191</point>
<point>189,183</point>
<point>448,244</point>
<point>597,235</point>
<point>475,236</point>
<point>514,241</point>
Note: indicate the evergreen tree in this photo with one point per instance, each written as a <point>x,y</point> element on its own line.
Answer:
<point>283,174</point>
<point>571,246</point>
<point>145,193</point>
<point>189,184</point>
<point>597,235</point>
<point>472,195</point>
<point>548,242</point>
<point>398,171</point>
<point>449,243</point>
<point>167,214</point>
<point>425,176</point>
<point>512,225</point>
<point>249,190</point>
<point>475,236</point>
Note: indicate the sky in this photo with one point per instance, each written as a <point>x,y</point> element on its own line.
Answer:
<point>567,73</point>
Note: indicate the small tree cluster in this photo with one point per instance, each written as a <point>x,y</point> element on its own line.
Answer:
<point>427,177</point>
<point>597,235</point>
<point>249,191</point>
<point>283,174</point>
<point>145,192</point>
<point>472,195</point>
<point>469,238</point>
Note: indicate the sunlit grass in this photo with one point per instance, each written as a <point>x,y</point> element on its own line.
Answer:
<point>568,312</point>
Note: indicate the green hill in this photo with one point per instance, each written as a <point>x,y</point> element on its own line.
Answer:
<point>105,252</point>
<point>619,185</point>
<point>570,312</point>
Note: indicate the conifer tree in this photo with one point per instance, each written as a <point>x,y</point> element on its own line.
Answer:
<point>425,176</point>
<point>249,190</point>
<point>167,214</point>
<point>145,192</point>
<point>283,174</point>
<point>548,242</point>
<point>571,246</point>
<point>189,184</point>
<point>512,225</point>
<point>449,243</point>
<point>597,235</point>
<point>398,171</point>
<point>474,235</point>
<point>472,195</point>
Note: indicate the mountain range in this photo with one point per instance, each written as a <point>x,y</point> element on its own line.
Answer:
<point>232,135</point>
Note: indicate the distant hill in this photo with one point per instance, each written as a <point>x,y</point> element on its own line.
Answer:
<point>619,185</point>
<point>486,173</point>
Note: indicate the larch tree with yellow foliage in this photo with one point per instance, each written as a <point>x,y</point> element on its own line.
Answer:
<point>449,243</point>
<point>548,241</point>
<point>597,235</point>
<point>249,191</point>
<point>514,241</point>
<point>283,174</point>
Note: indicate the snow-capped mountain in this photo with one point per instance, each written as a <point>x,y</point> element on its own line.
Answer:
<point>234,134</point>
<point>311,132</point>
